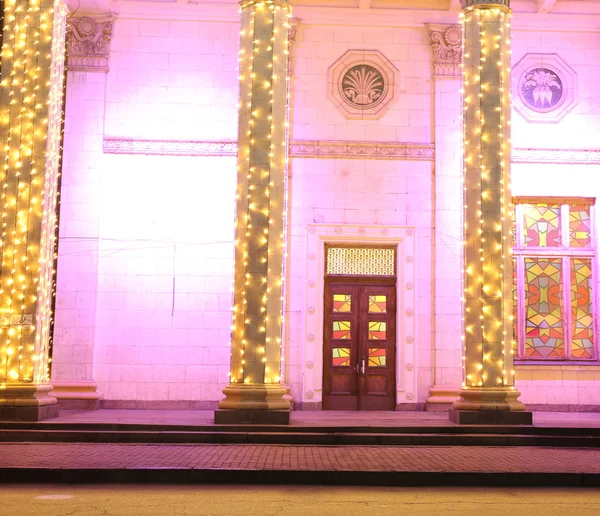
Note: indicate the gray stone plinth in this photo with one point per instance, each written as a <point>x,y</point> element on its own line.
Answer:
<point>490,417</point>
<point>37,413</point>
<point>250,416</point>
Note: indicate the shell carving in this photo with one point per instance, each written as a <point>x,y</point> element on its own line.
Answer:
<point>363,85</point>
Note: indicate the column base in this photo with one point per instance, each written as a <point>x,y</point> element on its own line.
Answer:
<point>489,406</point>
<point>249,416</point>
<point>441,398</point>
<point>490,417</point>
<point>76,395</point>
<point>254,403</point>
<point>27,402</point>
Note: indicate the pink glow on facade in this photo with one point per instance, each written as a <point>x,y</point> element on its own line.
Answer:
<point>146,241</point>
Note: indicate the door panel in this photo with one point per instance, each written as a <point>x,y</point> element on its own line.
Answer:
<point>359,346</point>
<point>377,340</point>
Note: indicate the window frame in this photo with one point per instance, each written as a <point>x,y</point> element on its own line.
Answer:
<point>565,253</point>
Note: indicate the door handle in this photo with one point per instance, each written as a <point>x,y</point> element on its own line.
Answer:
<point>362,368</point>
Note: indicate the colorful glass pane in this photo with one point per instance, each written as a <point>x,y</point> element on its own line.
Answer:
<point>377,330</point>
<point>542,225</point>
<point>361,261</point>
<point>342,303</point>
<point>377,304</point>
<point>341,329</point>
<point>377,357</point>
<point>341,357</point>
<point>579,225</point>
<point>544,331</point>
<point>582,324</point>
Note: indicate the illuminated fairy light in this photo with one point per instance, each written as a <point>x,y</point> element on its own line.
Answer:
<point>262,191</point>
<point>31,93</point>
<point>487,316</point>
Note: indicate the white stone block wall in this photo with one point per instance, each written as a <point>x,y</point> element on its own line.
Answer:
<point>145,263</point>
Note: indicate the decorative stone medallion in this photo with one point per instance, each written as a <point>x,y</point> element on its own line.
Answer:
<point>361,84</point>
<point>544,88</point>
<point>541,89</point>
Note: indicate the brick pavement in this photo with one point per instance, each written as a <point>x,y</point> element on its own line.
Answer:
<point>309,458</point>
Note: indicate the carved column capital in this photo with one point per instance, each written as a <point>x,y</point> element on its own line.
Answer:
<point>446,48</point>
<point>488,3</point>
<point>88,43</point>
<point>293,23</point>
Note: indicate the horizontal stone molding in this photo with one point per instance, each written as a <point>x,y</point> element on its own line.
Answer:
<point>557,156</point>
<point>337,149</point>
<point>169,147</point>
<point>362,150</point>
<point>304,149</point>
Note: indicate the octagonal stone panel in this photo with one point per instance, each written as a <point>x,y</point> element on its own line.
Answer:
<point>544,88</point>
<point>361,84</point>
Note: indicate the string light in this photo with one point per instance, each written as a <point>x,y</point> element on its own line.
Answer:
<point>487,317</point>
<point>31,89</point>
<point>262,191</point>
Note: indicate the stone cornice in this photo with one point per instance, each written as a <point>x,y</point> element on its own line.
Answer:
<point>304,149</point>
<point>557,156</point>
<point>88,43</point>
<point>362,150</point>
<point>169,147</point>
<point>337,149</point>
<point>446,48</point>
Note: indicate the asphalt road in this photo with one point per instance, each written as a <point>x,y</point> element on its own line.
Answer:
<point>119,500</point>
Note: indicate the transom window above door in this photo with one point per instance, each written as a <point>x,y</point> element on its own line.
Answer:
<point>360,261</point>
<point>555,262</point>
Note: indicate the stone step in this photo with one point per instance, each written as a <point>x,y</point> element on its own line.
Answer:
<point>308,428</point>
<point>418,437</point>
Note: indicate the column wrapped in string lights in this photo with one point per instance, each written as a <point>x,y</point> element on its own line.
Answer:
<point>488,394</point>
<point>30,131</point>
<point>254,393</point>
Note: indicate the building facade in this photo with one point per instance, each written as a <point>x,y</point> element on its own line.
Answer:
<point>367,226</point>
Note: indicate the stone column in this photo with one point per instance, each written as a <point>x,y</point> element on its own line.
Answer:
<point>446,48</point>
<point>30,134</point>
<point>255,394</point>
<point>88,45</point>
<point>488,395</point>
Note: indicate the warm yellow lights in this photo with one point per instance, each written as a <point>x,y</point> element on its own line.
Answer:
<point>258,311</point>
<point>487,264</point>
<point>32,56</point>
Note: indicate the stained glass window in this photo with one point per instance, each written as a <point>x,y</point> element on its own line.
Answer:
<point>377,330</point>
<point>377,304</point>
<point>579,225</point>
<point>361,261</point>
<point>341,330</point>
<point>377,357</point>
<point>342,303</point>
<point>542,225</point>
<point>341,357</point>
<point>553,293</point>
<point>544,332</point>
<point>582,321</point>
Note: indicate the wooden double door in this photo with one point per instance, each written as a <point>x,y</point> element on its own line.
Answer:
<point>359,345</point>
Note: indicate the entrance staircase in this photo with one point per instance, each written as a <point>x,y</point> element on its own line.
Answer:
<point>331,428</point>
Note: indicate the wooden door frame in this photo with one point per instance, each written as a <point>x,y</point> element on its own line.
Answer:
<point>355,283</point>
<point>404,238</point>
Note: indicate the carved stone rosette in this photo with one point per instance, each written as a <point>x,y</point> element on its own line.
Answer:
<point>88,43</point>
<point>446,47</point>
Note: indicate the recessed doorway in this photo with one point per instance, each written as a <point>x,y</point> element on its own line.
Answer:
<point>359,348</point>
